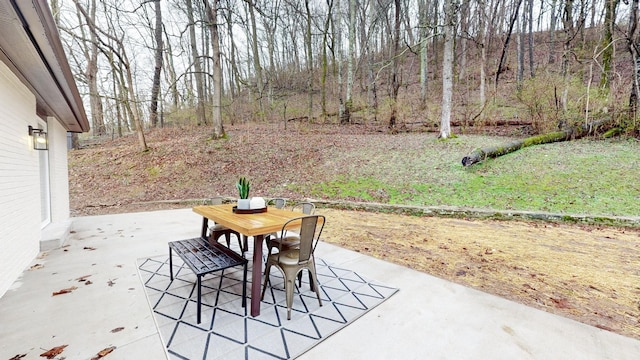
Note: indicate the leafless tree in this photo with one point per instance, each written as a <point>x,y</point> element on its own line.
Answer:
<point>218,129</point>
<point>633,43</point>
<point>447,68</point>
<point>155,87</point>
<point>201,116</point>
<point>395,76</point>
<point>611,7</point>
<point>114,46</point>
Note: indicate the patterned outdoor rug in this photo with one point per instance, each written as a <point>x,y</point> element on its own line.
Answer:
<point>227,331</point>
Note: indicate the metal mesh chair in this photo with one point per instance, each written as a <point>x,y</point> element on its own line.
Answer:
<point>307,208</point>
<point>290,239</point>
<point>291,262</point>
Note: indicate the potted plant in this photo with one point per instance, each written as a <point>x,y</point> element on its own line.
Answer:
<point>243,193</point>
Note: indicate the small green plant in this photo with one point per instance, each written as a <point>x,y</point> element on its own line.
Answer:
<point>153,171</point>
<point>243,188</point>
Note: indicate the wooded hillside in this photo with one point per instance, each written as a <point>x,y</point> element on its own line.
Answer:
<point>403,63</point>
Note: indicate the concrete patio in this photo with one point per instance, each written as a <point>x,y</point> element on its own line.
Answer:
<point>428,318</point>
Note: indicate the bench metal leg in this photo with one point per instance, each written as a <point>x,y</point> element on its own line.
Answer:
<point>170,264</point>
<point>199,294</point>
<point>198,253</point>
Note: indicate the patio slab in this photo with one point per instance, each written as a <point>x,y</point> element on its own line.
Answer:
<point>427,318</point>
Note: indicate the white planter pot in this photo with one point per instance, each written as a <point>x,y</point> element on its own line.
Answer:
<point>244,204</point>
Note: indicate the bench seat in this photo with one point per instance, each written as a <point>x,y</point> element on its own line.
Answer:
<point>203,258</point>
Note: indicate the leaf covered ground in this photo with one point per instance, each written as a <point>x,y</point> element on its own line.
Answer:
<point>586,273</point>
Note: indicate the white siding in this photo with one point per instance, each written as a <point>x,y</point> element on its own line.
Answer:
<point>19,180</point>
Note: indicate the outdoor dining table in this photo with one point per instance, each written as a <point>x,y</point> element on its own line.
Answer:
<point>256,225</point>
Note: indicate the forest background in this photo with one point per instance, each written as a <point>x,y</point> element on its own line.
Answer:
<point>403,64</point>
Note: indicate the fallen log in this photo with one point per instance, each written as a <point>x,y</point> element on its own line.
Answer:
<point>577,132</point>
<point>511,122</point>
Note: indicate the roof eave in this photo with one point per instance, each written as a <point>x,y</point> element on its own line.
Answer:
<point>34,52</point>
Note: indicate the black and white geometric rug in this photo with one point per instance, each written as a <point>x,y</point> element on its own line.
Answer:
<point>227,331</point>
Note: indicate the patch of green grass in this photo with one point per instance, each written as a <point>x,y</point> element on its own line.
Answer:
<point>153,171</point>
<point>576,177</point>
<point>359,189</point>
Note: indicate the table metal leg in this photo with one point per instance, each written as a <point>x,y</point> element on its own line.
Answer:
<point>256,275</point>
<point>205,227</point>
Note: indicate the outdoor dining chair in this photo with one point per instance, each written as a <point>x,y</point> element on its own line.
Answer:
<point>279,203</point>
<point>307,208</point>
<point>290,239</point>
<point>218,230</point>
<point>293,261</point>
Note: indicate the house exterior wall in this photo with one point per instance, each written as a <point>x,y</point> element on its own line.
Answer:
<point>20,225</point>
<point>22,232</point>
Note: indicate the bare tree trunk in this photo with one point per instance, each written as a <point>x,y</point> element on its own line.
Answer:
<point>461,43</point>
<point>90,51</point>
<point>309,50</point>
<point>483,36</point>
<point>567,22</point>
<point>125,73</point>
<point>607,42</point>
<point>633,42</point>
<point>530,42</point>
<point>170,72</point>
<point>155,87</point>
<point>340,53</point>
<point>434,46</point>
<point>350,58</point>
<point>424,60</point>
<point>450,8</point>
<point>368,51</point>
<point>520,26</point>
<point>395,81</point>
<point>131,98</point>
<point>117,106</point>
<point>293,35</point>
<point>256,57</point>
<point>205,42</point>
<point>407,21</point>
<point>503,57</point>
<point>270,24</point>
<point>218,129</point>
<point>325,60</point>
<point>552,32</point>
<point>201,117</point>
<point>234,78</point>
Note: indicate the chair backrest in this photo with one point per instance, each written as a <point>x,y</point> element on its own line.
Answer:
<point>306,208</point>
<point>279,203</point>
<point>310,230</point>
<point>216,200</point>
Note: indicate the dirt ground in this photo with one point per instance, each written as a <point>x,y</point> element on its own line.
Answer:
<point>586,273</point>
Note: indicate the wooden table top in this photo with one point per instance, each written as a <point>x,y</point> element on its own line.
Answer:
<point>248,224</point>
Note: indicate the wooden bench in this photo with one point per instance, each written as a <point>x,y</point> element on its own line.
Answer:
<point>204,258</point>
